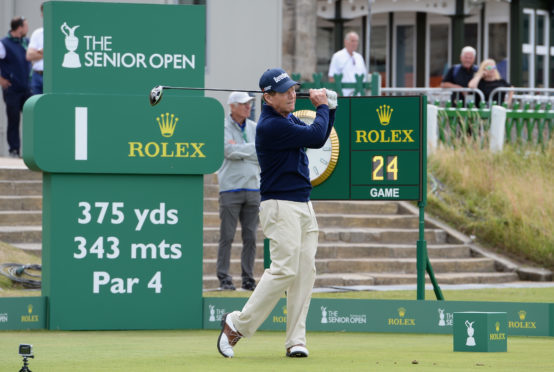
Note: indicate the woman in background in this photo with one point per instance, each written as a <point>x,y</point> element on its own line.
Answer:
<point>488,79</point>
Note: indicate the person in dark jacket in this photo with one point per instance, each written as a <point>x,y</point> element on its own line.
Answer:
<point>286,213</point>
<point>14,78</point>
<point>458,76</point>
<point>487,79</point>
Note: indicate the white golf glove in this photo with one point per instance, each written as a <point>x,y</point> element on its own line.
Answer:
<point>332,99</point>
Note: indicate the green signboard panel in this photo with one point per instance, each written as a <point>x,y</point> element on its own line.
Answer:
<point>22,313</point>
<point>115,48</point>
<point>402,316</point>
<point>82,133</point>
<point>123,181</point>
<point>123,251</point>
<point>380,145</point>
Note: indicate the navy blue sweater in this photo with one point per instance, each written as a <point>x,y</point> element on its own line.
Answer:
<point>15,67</point>
<point>280,145</point>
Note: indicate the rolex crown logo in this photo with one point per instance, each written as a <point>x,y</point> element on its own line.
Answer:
<point>30,309</point>
<point>167,124</point>
<point>384,112</point>
<point>522,314</point>
<point>497,326</point>
<point>401,312</point>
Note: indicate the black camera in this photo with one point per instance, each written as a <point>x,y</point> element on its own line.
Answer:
<point>26,350</point>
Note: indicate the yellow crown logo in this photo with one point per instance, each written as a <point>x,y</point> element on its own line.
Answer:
<point>401,312</point>
<point>384,112</point>
<point>497,326</point>
<point>522,314</point>
<point>167,124</point>
<point>30,309</point>
<point>284,310</point>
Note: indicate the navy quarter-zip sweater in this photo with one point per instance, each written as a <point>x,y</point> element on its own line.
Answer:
<point>280,145</point>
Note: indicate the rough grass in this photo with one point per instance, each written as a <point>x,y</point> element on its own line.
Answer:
<point>486,294</point>
<point>506,200</point>
<point>148,351</point>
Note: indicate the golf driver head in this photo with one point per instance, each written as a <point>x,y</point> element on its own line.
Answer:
<point>156,95</point>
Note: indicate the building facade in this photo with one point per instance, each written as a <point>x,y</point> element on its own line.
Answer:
<point>412,42</point>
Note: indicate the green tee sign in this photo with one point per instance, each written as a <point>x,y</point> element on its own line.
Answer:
<point>122,181</point>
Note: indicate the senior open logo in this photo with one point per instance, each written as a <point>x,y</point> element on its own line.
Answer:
<point>109,51</point>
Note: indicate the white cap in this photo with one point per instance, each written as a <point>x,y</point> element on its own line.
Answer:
<point>239,97</point>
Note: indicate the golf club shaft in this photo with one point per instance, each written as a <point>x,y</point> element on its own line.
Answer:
<point>298,94</point>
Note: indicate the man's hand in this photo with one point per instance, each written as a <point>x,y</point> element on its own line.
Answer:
<point>318,97</point>
<point>5,83</point>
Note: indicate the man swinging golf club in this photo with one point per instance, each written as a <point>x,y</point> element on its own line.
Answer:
<point>286,214</point>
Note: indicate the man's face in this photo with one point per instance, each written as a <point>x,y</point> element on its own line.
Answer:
<point>283,103</point>
<point>351,43</point>
<point>467,59</point>
<point>240,111</point>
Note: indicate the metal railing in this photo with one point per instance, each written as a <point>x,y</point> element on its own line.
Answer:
<point>442,95</point>
<point>534,95</point>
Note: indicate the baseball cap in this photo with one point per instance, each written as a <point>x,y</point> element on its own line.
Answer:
<point>276,80</point>
<point>239,97</point>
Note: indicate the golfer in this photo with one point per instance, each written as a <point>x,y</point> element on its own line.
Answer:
<point>286,214</point>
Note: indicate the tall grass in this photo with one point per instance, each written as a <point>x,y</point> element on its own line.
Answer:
<point>506,199</point>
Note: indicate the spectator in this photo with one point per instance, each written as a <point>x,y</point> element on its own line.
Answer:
<point>34,55</point>
<point>348,62</point>
<point>488,79</point>
<point>14,79</point>
<point>286,213</point>
<point>458,76</point>
<point>239,191</point>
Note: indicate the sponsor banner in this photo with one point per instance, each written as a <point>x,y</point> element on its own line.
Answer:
<point>403,316</point>
<point>22,313</point>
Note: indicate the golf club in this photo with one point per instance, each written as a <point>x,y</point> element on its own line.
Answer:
<point>157,92</point>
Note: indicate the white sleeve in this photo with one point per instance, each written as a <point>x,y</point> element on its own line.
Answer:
<point>35,42</point>
<point>333,68</point>
<point>2,51</point>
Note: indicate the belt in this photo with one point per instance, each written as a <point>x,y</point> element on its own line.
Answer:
<point>38,72</point>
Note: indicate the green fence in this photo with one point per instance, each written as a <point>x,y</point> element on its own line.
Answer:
<point>370,87</point>
<point>523,124</point>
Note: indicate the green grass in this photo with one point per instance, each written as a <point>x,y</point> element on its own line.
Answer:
<point>196,351</point>
<point>506,200</point>
<point>487,294</point>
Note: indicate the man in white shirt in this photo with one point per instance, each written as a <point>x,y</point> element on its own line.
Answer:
<point>34,55</point>
<point>348,62</point>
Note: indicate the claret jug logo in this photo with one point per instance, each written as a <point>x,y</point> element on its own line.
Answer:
<point>70,59</point>
<point>384,112</point>
<point>167,124</point>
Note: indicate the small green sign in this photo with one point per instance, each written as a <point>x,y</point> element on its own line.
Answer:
<point>480,331</point>
<point>82,133</point>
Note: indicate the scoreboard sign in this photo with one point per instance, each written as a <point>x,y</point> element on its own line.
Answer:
<point>377,153</point>
<point>386,148</point>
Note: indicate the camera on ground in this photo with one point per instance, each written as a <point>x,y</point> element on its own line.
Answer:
<point>25,350</point>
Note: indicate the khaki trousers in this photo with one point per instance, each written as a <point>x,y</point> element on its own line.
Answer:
<point>293,233</point>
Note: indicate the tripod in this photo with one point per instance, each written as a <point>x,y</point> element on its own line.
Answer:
<point>25,367</point>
